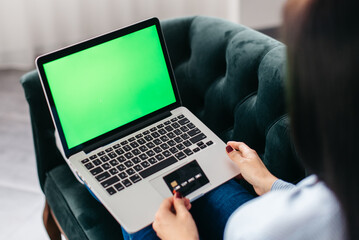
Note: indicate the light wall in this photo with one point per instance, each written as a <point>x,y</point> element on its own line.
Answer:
<point>261,13</point>
<point>32,27</point>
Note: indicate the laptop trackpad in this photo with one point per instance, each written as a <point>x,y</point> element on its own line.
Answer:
<point>185,180</point>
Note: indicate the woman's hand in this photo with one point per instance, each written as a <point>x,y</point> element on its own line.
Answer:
<point>174,221</point>
<point>251,167</point>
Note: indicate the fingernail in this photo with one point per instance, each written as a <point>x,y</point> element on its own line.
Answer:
<point>178,195</point>
<point>229,149</point>
<point>240,177</point>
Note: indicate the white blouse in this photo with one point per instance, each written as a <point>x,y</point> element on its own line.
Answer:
<point>308,210</point>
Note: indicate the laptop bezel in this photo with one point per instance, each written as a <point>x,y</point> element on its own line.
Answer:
<point>41,60</point>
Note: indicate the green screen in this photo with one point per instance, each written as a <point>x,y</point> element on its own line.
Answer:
<point>106,86</point>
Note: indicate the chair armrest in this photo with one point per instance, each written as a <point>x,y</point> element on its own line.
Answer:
<point>47,153</point>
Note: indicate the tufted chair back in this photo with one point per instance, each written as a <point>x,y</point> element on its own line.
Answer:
<point>232,78</point>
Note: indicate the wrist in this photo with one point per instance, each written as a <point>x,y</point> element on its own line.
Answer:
<point>266,184</point>
<point>269,182</point>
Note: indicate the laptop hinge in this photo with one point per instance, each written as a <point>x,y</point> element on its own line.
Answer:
<point>127,132</point>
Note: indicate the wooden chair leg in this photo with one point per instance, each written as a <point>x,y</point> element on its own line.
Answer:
<point>52,226</point>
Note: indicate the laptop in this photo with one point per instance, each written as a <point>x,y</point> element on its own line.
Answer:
<point>123,129</point>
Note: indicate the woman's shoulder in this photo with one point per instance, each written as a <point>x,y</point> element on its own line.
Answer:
<point>307,211</point>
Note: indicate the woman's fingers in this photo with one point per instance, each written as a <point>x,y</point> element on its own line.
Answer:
<point>174,219</point>
<point>165,208</point>
<point>251,166</point>
<point>187,203</point>
<point>239,147</point>
<point>235,151</point>
<point>179,206</point>
<point>166,204</point>
<point>182,201</point>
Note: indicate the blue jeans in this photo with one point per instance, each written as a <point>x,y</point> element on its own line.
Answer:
<point>210,212</point>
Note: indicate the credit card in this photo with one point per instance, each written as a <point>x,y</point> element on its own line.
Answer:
<point>186,179</point>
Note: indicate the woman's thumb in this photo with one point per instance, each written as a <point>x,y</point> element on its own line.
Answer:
<point>179,203</point>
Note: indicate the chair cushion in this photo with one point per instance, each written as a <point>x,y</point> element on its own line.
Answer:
<point>78,213</point>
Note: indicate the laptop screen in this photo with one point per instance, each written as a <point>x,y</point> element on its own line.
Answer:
<point>108,85</point>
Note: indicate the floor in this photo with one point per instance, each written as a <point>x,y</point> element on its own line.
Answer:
<point>21,199</point>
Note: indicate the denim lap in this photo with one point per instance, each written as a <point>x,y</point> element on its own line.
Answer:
<point>210,212</point>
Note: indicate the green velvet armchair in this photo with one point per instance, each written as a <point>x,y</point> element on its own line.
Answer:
<point>230,76</point>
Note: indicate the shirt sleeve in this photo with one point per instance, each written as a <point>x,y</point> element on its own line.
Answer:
<point>282,185</point>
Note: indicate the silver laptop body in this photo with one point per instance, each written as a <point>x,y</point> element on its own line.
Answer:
<point>149,145</point>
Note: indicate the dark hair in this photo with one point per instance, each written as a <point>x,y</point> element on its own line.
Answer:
<point>322,38</point>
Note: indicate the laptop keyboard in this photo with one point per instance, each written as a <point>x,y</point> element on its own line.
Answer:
<point>138,157</point>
